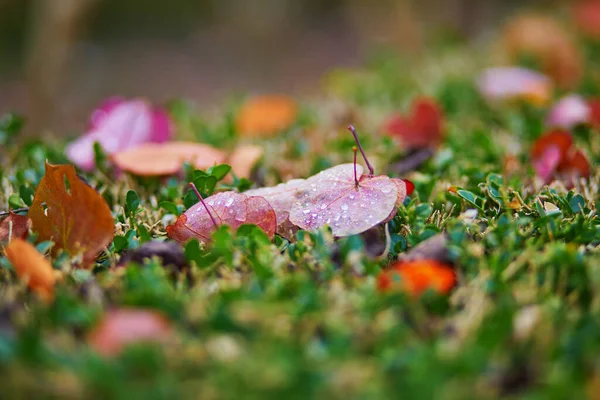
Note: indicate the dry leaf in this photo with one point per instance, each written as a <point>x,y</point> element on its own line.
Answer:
<point>415,277</point>
<point>19,229</point>
<point>244,158</point>
<point>266,116</point>
<point>71,214</point>
<point>549,43</point>
<point>423,127</point>
<point>158,159</point>
<point>32,267</point>
<point>120,328</point>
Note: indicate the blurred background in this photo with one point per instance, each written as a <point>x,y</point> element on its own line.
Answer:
<point>59,58</point>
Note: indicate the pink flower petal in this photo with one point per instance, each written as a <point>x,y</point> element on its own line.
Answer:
<point>568,112</point>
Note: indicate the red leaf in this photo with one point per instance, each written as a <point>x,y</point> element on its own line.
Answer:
<point>120,328</point>
<point>422,128</point>
<point>20,227</point>
<point>229,208</point>
<point>559,138</point>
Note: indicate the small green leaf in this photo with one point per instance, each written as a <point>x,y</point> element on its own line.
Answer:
<point>170,207</point>
<point>132,202</point>
<point>577,203</point>
<point>120,243</point>
<point>219,171</point>
<point>471,198</point>
<point>26,194</point>
<point>14,201</point>
<point>193,252</point>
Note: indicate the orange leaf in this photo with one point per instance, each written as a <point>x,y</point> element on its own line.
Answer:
<point>244,158</point>
<point>266,115</point>
<point>549,43</point>
<point>417,276</point>
<point>19,229</point>
<point>71,213</point>
<point>32,268</point>
<point>120,328</point>
<point>157,159</point>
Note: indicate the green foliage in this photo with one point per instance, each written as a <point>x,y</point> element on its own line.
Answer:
<point>301,317</point>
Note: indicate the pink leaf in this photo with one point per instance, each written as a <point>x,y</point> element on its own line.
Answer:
<point>117,126</point>
<point>570,111</point>
<point>333,198</point>
<point>281,198</point>
<point>546,164</point>
<point>503,83</point>
<point>226,208</point>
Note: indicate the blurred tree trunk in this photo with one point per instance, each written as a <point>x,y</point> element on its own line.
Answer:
<point>53,34</point>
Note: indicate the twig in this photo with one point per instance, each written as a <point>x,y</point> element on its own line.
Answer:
<point>16,210</point>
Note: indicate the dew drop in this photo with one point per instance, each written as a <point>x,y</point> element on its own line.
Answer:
<point>306,211</point>
<point>344,207</point>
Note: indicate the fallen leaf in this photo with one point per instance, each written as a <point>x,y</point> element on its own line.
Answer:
<point>549,44</point>
<point>225,208</point>
<point>554,156</point>
<point>153,159</point>
<point>281,198</point>
<point>345,199</point>
<point>123,327</point>
<point>170,255</point>
<point>243,159</point>
<point>266,116</point>
<point>434,248</point>
<point>118,125</point>
<point>71,214</point>
<point>415,277</point>
<point>334,198</point>
<point>569,112</point>
<point>423,127</point>
<point>19,229</point>
<point>411,161</point>
<point>586,15</point>
<point>32,268</point>
<point>509,83</point>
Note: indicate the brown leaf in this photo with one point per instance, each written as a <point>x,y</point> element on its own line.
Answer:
<point>20,227</point>
<point>123,327</point>
<point>159,159</point>
<point>244,158</point>
<point>32,268</point>
<point>71,214</point>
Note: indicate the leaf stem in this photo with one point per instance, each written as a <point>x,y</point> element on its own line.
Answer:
<point>195,189</point>
<point>353,131</point>
<point>354,149</point>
